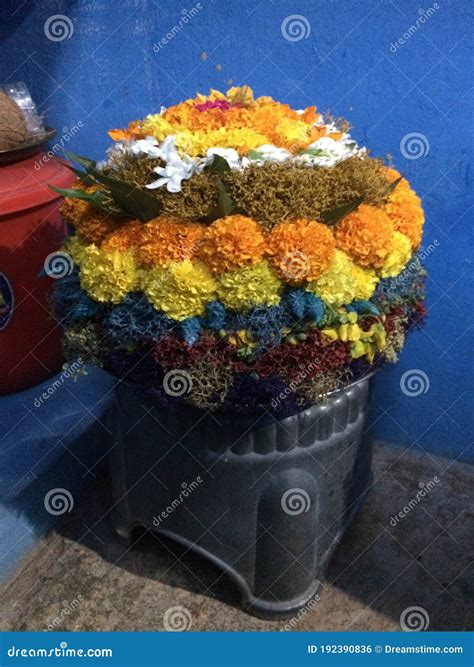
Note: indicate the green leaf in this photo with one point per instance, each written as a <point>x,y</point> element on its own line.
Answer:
<point>85,162</point>
<point>219,165</point>
<point>337,214</point>
<point>134,202</point>
<point>317,152</point>
<point>392,187</point>
<point>225,204</point>
<point>95,198</point>
<point>254,155</point>
<point>130,198</point>
<point>85,177</point>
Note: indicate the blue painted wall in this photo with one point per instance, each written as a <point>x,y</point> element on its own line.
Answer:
<point>386,66</point>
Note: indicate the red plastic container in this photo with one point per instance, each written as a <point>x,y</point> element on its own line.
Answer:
<point>30,229</point>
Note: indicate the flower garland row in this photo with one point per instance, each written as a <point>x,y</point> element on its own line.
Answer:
<point>236,360</point>
<point>182,266</point>
<point>234,120</point>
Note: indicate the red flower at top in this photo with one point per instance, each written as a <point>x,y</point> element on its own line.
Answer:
<point>224,105</point>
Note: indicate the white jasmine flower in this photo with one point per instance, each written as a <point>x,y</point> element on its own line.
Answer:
<point>148,146</point>
<point>326,152</point>
<point>270,153</point>
<point>177,168</point>
<point>230,155</point>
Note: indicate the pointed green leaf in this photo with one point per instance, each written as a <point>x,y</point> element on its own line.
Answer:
<point>218,165</point>
<point>254,155</point>
<point>392,187</point>
<point>130,198</point>
<point>78,194</point>
<point>85,177</point>
<point>85,162</point>
<point>225,204</point>
<point>95,198</point>
<point>317,152</point>
<point>337,214</point>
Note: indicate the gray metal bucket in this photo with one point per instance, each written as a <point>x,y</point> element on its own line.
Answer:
<point>267,502</point>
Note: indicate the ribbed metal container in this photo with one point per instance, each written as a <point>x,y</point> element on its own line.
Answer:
<point>266,501</point>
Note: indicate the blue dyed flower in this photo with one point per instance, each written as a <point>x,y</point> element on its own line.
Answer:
<point>215,316</point>
<point>70,304</point>
<point>134,319</point>
<point>190,330</point>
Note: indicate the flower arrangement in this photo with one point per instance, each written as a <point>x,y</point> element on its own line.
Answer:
<point>238,255</point>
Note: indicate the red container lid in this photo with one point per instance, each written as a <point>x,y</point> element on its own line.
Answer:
<point>24,184</point>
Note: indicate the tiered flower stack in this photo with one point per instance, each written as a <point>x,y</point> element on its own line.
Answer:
<point>240,256</point>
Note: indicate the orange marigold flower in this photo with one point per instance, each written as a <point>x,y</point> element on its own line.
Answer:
<point>91,222</point>
<point>366,235</point>
<point>300,250</point>
<point>73,209</point>
<point>404,209</point>
<point>232,243</point>
<point>166,239</point>
<point>124,238</point>
<point>95,225</point>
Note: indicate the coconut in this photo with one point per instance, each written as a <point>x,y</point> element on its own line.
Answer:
<point>13,129</point>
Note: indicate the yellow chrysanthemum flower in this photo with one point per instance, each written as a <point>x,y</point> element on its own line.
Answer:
<point>337,285</point>
<point>108,276</point>
<point>366,280</point>
<point>181,289</point>
<point>292,134</point>
<point>76,247</point>
<point>256,285</point>
<point>156,126</point>
<point>398,258</point>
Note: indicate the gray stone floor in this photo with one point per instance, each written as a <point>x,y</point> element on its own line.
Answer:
<point>84,578</point>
